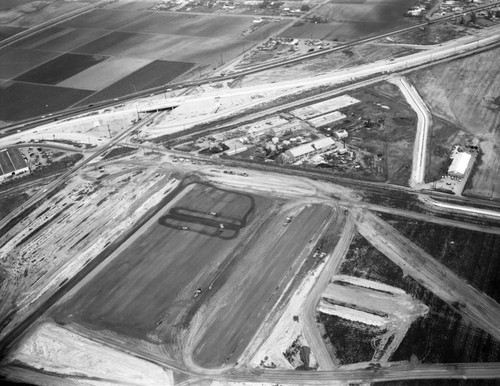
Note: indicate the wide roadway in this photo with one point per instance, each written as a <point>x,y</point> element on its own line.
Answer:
<point>267,265</point>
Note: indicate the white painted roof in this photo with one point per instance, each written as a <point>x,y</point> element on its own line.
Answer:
<point>311,147</point>
<point>459,163</point>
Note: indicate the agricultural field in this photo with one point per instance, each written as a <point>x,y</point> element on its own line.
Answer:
<point>345,20</point>
<point>113,52</point>
<point>59,69</point>
<point>27,13</point>
<point>465,93</point>
<point>23,100</point>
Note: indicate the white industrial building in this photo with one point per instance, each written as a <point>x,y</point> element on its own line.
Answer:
<point>459,165</point>
<point>12,163</point>
<point>297,153</point>
<point>341,134</point>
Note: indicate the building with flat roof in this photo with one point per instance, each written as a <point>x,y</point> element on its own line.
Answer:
<point>12,163</point>
<point>459,164</point>
<point>297,153</point>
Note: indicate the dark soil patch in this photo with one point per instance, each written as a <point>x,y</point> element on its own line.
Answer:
<point>60,68</point>
<point>442,336</point>
<point>22,100</point>
<point>8,204</point>
<point>474,256</point>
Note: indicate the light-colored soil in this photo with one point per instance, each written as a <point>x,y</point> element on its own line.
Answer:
<point>463,92</point>
<point>68,355</point>
<point>104,74</point>
<point>67,231</point>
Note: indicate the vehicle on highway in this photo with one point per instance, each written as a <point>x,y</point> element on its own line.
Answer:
<point>221,227</point>
<point>183,228</point>
<point>197,293</point>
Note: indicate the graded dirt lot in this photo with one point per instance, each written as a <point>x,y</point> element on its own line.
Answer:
<point>252,287</point>
<point>152,280</point>
<point>465,93</point>
<point>352,20</point>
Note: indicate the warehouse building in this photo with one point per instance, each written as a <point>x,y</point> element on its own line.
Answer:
<point>12,163</point>
<point>308,149</point>
<point>459,165</point>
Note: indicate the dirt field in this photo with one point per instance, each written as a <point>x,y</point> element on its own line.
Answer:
<point>104,73</point>
<point>23,100</point>
<point>154,74</point>
<point>260,278</point>
<point>105,19</point>
<point>128,35</point>
<point>60,68</point>
<point>443,335</point>
<point>473,256</point>
<point>25,13</point>
<point>153,280</point>
<point>350,21</point>
<point>15,61</point>
<point>465,93</point>
<point>59,39</point>
<point>6,31</point>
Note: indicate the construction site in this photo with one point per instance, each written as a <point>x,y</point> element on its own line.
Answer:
<point>235,223</point>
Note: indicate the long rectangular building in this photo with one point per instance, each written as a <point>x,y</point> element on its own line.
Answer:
<point>12,163</point>
<point>307,149</point>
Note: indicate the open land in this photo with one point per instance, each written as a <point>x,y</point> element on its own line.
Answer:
<point>28,13</point>
<point>59,69</point>
<point>472,255</point>
<point>156,258</point>
<point>170,44</point>
<point>23,100</point>
<point>443,326</point>
<point>465,93</point>
<point>344,21</point>
<point>276,254</point>
<point>144,266</point>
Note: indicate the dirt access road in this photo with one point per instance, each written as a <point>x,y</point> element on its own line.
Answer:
<point>252,289</point>
<point>477,307</point>
<point>308,309</point>
<point>424,123</point>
